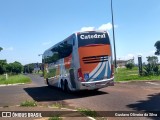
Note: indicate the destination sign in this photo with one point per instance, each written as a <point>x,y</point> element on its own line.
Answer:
<point>92,36</point>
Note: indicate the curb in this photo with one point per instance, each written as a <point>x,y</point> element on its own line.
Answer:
<point>137,81</point>
<point>91,118</point>
<point>3,85</point>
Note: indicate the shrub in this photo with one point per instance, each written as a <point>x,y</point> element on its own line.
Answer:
<point>151,69</point>
<point>129,65</point>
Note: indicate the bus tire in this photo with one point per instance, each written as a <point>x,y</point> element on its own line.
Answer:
<point>95,90</point>
<point>66,87</point>
<point>62,85</point>
<point>47,82</point>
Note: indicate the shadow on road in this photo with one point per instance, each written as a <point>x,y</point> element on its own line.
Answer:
<point>47,94</point>
<point>152,105</point>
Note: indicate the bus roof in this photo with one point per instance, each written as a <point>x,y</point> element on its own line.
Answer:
<point>76,33</point>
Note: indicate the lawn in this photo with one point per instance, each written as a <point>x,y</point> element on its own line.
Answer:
<point>14,79</point>
<point>124,74</point>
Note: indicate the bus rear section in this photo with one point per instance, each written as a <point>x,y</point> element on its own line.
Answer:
<point>95,60</point>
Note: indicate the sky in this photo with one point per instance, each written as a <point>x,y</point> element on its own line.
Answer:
<point>29,27</point>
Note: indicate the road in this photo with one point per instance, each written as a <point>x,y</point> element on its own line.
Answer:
<point>137,96</point>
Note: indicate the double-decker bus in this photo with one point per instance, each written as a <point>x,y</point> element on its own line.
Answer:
<point>81,61</point>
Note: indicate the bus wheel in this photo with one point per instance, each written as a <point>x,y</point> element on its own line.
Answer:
<point>62,85</point>
<point>47,82</point>
<point>95,90</point>
<point>66,87</point>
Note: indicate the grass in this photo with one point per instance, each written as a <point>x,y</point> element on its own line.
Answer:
<point>28,104</point>
<point>124,74</point>
<point>55,118</point>
<point>87,112</point>
<point>57,105</point>
<point>14,79</point>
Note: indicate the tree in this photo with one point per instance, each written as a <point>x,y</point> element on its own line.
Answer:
<point>1,49</point>
<point>16,67</point>
<point>157,45</point>
<point>152,59</point>
<point>3,64</point>
<point>9,68</point>
<point>152,67</point>
<point>28,68</point>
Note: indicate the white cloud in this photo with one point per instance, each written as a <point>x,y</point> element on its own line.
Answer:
<point>87,29</point>
<point>8,49</point>
<point>107,26</point>
<point>103,27</point>
<point>46,43</point>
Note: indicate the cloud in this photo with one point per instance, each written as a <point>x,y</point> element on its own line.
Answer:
<point>8,49</point>
<point>87,29</point>
<point>46,43</point>
<point>107,26</point>
<point>103,27</point>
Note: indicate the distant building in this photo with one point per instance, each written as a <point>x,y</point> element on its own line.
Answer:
<point>122,63</point>
<point>37,67</point>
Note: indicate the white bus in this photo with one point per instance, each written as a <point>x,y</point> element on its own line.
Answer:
<point>83,61</point>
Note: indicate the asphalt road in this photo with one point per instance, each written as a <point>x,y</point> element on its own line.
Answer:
<point>133,96</point>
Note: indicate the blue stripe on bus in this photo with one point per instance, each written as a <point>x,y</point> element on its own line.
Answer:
<point>109,71</point>
<point>101,75</point>
<point>96,71</point>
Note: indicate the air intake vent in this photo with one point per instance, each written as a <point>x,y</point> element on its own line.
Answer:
<point>95,59</point>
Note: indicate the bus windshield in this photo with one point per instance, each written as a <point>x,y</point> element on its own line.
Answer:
<point>85,39</point>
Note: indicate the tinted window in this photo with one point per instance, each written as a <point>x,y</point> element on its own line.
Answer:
<point>63,50</point>
<point>92,38</point>
<point>60,51</point>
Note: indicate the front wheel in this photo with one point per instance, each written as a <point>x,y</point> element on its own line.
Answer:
<point>47,81</point>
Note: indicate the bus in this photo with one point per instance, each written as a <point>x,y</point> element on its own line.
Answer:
<point>83,61</point>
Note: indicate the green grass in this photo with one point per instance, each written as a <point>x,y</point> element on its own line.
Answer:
<point>87,112</point>
<point>14,79</point>
<point>124,74</point>
<point>28,104</point>
<point>55,118</point>
<point>57,105</point>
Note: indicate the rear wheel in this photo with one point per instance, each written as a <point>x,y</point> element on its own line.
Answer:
<point>66,87</point>
<point>62,85</point>
<point>95,90</point>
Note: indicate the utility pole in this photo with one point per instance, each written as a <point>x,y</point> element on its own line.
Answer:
<point>115,60</point>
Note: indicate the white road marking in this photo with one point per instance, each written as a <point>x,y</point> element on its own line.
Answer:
<point>152,83</point>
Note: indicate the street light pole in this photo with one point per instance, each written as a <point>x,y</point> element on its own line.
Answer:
<point>115,60</point>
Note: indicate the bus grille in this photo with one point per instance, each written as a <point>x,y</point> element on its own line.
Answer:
<point>95,59</point>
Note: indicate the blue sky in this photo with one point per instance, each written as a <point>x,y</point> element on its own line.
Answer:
<point>29,27</point>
